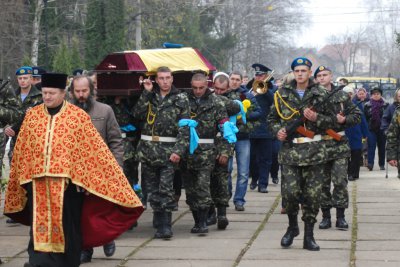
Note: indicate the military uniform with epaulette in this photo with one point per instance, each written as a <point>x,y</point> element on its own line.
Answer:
<point>10,111</point>
<point>335,170</point>
<point>209,112</point>
<point>160,137</point>
<point>302,158</point>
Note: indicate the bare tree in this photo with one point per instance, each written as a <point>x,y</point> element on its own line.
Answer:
<point>15,35</point>
<point>263,29</point>
<point>381,33</point>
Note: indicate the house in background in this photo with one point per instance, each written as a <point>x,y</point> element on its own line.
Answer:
<point>349,59</point>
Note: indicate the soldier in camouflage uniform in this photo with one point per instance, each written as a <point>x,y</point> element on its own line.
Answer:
<point>219,178</point>
<point>10,111</point>
<point>393,140</point>
<point>29,96</point>
<point>302,158</point>
<point>335,170</point>
<point>162,144</point>
<point>242,146</point>
<point>209,112</point>
<point>130,138</point>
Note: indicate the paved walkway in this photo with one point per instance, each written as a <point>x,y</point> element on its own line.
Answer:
<point>253,236</point>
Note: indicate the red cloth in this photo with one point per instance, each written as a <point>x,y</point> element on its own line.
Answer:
<point>103,221</point>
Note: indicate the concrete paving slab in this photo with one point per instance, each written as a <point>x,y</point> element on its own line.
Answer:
<point>375,263</point>
<point>19,262</point>
<point>191,253</point>
<point>179,263</point>
<point>378,245</point>
<point>388,219</point>
<point>296,252</point>
<point>13,246</point>
<point>384,256</point>
<point>291,263</point>
<point>379,231</point>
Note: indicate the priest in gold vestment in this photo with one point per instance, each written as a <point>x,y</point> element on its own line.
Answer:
<point>65,182</point>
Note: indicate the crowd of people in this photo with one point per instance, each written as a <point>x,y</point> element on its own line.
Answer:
<point>79,157</point>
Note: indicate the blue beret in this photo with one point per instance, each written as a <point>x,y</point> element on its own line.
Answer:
<point>24,71</point>
<point>260,68</point>
<point>38,71</point>
<point>301,61</point>
<point>319,69</point>
<point>77,72</point>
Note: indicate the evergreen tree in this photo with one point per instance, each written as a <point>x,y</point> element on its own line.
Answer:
<point>62,60</point>
<point>114,26</point>
<point>105,30</point>
<point>95,33</point>
<point>76,56</point>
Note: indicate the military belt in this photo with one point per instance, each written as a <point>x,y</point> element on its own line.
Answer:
<point>219,134</point>
<point>318,137</point>
<point>206,141</point>
<point>156,138</point>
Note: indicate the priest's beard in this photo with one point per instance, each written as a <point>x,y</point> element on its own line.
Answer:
<point>86,105</point>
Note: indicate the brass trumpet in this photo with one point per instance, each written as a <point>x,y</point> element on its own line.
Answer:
<point>261,87</point>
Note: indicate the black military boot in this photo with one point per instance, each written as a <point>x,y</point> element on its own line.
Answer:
<point>202,215</point>
<point>340,221</point>
<point>164,225</point>
<point>309,242</point>
<point>212,216</point>
<point>222,219</point>
<point>291,232</point>
<point>326,219</point>
<point>155,219</point>
<point>195,229</point>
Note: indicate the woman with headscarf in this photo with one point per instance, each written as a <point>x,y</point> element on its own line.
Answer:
<point>373,111</point>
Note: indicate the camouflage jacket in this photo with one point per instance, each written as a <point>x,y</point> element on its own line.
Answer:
<point>10,107</point>
<point>34,98</point>
<point>223,147</point>
<point>129,139</point>
<point>208,111</point>
<point>393,138</point>
<point>162,121</point>
<point>302,154</point>
<point>340,102</point>
<point>253,114</point>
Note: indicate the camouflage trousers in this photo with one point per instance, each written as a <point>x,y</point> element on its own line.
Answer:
<point>131,170</point>
<point>3,143</point>
<point>219,186</point>
<point>335,172</point>
<point>159,186</point>
<point>302,185</point>
<point>197,185</point>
